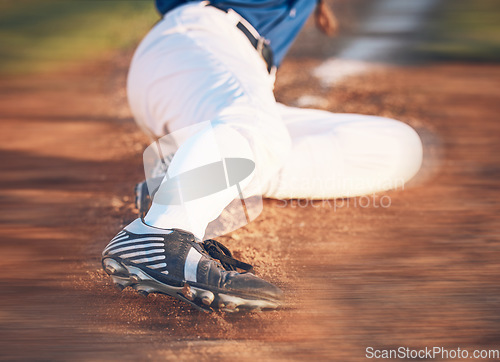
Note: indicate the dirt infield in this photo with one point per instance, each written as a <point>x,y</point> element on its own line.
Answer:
<point>420,272</point>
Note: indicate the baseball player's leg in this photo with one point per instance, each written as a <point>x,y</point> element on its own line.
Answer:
<point>196,66</point>
<point>179,78</point>
<point>204,196</point>
<point>344,155</point>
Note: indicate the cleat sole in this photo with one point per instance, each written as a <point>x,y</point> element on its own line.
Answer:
<point>124,275</point>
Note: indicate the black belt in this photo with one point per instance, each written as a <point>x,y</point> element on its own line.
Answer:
<point>260,44</point>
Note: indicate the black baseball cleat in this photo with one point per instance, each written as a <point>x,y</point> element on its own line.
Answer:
<point>171,262</point>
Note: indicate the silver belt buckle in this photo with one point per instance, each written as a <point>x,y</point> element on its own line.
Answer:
<point>260,47</point>
<point>260,44</point>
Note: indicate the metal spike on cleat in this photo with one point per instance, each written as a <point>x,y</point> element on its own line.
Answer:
<point>187,292</point>
<point>207,297</point>
<point>121,283</point>
<point>201,307</point>
<point>230,308</point>
<point>144,290</point>
<point>118,286</point>
<point>112,267</point>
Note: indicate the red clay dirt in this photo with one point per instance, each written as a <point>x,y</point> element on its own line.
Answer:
<point>422,272</point>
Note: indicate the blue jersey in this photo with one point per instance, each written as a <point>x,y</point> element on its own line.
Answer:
<point>279,21</point>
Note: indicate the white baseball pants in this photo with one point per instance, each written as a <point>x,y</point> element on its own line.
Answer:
<point>196,66</point>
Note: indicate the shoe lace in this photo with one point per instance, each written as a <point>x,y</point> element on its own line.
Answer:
<point>218,251</point>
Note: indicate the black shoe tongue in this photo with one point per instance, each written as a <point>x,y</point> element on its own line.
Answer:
<point>218,251</point>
